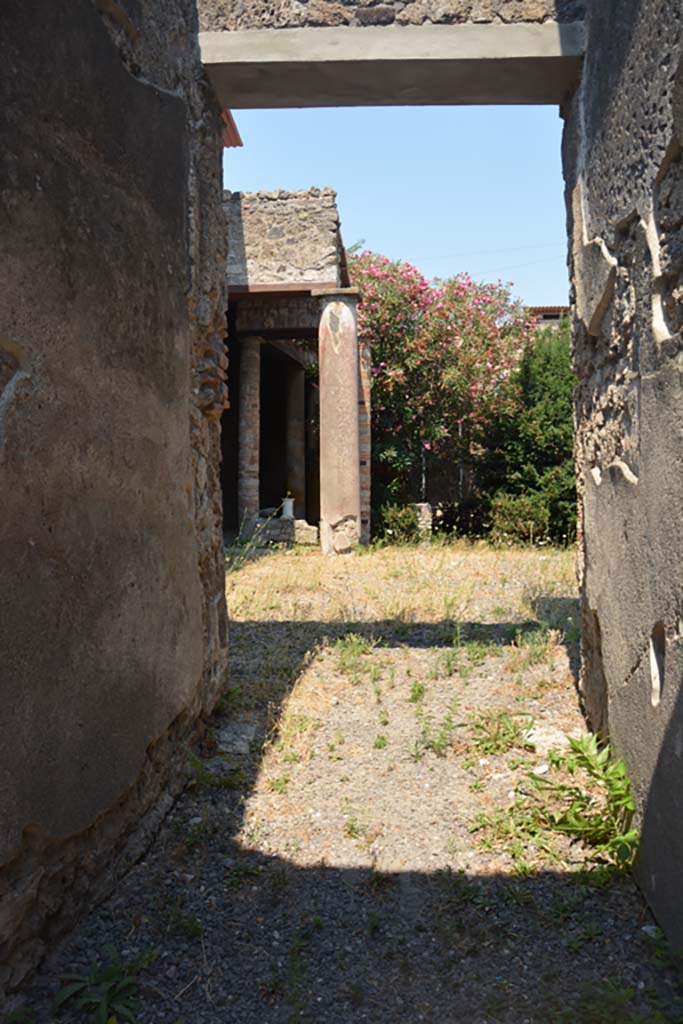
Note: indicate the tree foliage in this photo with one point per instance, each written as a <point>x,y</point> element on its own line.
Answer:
<point>534,472</point>
<point>443,356</point>
<point>467,391</point>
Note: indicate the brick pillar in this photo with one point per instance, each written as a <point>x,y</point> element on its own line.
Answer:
<point>340,525</point>
<point>364,434</point>
<point>296,439</point>
<point>249,434</point>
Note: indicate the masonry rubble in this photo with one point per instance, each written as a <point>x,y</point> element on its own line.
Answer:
<point>216,15</point>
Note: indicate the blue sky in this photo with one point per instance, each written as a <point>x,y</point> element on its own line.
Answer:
<point>476,189</point>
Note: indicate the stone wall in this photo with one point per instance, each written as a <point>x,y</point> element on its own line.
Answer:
<point>112,379</point>
<point>624,174</point>
<point>289,314</point>
<point>283,238</point>
<point>216,15</point>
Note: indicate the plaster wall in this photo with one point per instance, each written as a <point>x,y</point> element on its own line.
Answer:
<point>217,15</point>
<point>112,379</point>
<point>624,174</point>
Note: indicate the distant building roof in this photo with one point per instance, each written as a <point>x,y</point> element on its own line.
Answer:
<point>550,312</point>
<point>284,241</point>
<point>231,133</point>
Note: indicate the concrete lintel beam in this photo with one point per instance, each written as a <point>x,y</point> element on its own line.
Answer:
<point>343,293</point>
<point>392,66</point>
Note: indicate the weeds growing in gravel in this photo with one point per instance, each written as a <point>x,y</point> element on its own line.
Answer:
<point>179,922</point>
<point>354,828</point>
<point>437,738</point>
<point>533,648</point>
<point>595,809</point>
<point>497,732</point>
<point>279,785</point>
<point>446,664</point>
<point>456,891</point>
<point>293,736</point>
<point>201,777</point>
<point>107,991</point>
<point>599,814</point>
<point>417,692</point>
<point>607,1004</point>
<point>243,871</point>
<point>350,651</point>
<point>519,830</point>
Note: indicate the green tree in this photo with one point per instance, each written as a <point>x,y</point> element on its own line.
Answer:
<point>531,470</point>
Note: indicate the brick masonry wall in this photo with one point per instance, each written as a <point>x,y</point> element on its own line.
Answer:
<point>216,15</point>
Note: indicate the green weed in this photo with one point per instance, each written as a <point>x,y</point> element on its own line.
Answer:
<point>497,732</point>
<point>456,891</point>
<point>107,991</point>
<point>446,664</point>
<point>350,651</point>
<point>518,829</point>
<point>596,810</point>
<point>599,815</point>
<point>531,649</point>
<point>417,692</point>
<point>375,677</point>
<point>279,785</point>
<point>242,872</point>
<point>437,738</point>
<point>608,1003</point>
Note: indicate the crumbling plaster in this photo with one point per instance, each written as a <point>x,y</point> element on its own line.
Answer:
<point>112,378</point>
<point>624,173</point>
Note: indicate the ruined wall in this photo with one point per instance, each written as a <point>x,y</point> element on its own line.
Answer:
<point>216,15</point>
<point>283,237</point>
<point>624,173</point>
<point>112,622</point>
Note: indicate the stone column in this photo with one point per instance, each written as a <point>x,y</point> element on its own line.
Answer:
<point>296,439</point>
<point>364,434</point>
<point>249,435</point>
<point>340,525</point>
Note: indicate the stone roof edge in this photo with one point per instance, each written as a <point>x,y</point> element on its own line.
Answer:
<point>280,194</point>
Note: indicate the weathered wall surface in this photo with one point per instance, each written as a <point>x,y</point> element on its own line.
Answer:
<point>625,198</point>
<point>283,238</point>
<point>216,15</point>
<point>111,384</point>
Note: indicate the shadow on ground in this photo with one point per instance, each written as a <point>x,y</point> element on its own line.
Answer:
<point>230,932</point>
<point>241,937</point>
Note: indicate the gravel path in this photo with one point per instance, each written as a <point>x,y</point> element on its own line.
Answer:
<point>346,850</point>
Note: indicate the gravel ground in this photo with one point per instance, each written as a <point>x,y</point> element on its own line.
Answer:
<point>329,862</point>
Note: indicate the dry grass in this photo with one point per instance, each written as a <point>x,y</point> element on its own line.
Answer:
<point>391,670</point>
<point>449,583</point>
